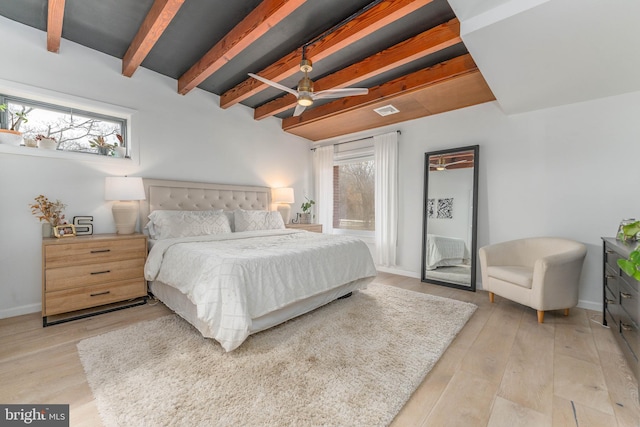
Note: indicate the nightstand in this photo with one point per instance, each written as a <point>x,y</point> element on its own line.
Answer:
<point>316,228</point>
<point>84,272</point>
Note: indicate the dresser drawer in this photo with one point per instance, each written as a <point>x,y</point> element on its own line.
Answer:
<point>90,296</point>
<point>83,275</point>
<point>91,252</point>
<point>611,303</point>
<point>629,300</point>
<point>611,259</point>
<point>629,332</point>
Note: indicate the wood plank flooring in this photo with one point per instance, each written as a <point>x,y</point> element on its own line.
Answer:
<point>503,368</point>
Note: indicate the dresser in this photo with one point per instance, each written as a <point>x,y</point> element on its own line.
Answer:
<point>88,272</point>
<point>316,228</point>
<point>621,302</point>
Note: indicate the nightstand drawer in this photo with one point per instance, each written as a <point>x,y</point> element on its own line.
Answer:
<point>90,252</point>
<point>83,275</point>
<point>91,296</point>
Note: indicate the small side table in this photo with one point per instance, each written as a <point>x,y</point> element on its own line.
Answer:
<point>315,228</point>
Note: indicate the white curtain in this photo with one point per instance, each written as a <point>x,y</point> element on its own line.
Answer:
<point>323,177</point>
<point>386,159</point>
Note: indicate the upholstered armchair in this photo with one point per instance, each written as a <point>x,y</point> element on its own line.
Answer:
<point>540,272</point>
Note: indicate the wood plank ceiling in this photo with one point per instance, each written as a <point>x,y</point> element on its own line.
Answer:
<point>408,53</point>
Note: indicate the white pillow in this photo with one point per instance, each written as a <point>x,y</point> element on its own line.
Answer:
<point>257,220</point>
<point>169,224</point>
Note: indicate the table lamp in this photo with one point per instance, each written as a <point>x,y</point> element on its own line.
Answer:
<point>126,191</point>
<point>282,197</point>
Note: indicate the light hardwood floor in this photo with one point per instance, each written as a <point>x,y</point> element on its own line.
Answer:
<point>503,368</point>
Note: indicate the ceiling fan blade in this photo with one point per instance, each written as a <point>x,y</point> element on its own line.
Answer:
<point>299,109</point>
<point>339,93</point>
<point>274,84</point>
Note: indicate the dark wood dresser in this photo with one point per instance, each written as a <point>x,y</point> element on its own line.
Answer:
<point>621,300</point>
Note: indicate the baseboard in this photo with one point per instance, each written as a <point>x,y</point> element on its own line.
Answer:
<point>590,305</point>
<point>398,272</point>
<point>19,311</point>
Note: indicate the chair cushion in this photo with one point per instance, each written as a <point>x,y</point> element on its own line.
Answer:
<point>521,276</point>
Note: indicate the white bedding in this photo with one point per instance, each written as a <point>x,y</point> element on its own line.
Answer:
<point>445,251</point>
<point>235,277</point>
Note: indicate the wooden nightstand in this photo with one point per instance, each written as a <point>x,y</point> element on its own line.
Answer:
<point>91,271</point>
<point>316,228</point>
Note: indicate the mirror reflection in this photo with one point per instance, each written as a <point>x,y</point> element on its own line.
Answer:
<point>450,217</point>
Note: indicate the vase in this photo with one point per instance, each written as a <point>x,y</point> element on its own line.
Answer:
<point>47,144</point>
<point>304,218</point>
<point>47,230</point>
<point>104,151</point>
<point>10,137</point>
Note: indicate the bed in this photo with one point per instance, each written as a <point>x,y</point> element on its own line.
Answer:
<point>222,260</point>
<point>445,252</point>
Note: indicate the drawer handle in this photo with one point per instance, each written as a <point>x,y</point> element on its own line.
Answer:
<point>610,301</point>
<point>625,295</point>
<point>609,251</point>
<point>626,327</point>
<point>609,276</point>
<point>99,251</point>
<point>100,293</point>
<point>101,272</point>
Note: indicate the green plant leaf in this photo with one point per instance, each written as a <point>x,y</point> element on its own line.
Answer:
<point>627,266</point>
<point>635,257</point>
<point>632,229</point>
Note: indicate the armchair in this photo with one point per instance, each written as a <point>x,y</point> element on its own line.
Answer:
<point>540,272</point>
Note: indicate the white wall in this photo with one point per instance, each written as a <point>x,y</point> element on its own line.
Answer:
<point>569,171</point>
<point>178,137</point>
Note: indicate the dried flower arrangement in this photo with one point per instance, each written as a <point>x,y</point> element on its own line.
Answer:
<point>47,211</point>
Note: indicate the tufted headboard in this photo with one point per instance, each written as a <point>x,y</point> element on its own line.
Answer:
<point>200,196</point>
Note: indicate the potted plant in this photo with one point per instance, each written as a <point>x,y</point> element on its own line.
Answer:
<point>12,135</point>
<point>46,142</point>
<point>120,150</point>
<point>305,216</point>
<point>49,213</point>
<point>104,148</point>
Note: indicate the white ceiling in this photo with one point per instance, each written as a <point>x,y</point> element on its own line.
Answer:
<point>542,53</point>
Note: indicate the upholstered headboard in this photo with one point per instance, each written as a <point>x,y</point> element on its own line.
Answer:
<point>200,196</point>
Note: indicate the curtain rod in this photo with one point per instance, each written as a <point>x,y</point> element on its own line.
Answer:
<point>353,140</point>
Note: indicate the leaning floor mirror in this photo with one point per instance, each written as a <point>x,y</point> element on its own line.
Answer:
<point>450,217</point>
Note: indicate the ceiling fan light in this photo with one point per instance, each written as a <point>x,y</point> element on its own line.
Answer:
<point>305,99</point>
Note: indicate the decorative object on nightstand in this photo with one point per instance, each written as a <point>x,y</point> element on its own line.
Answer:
<point>49,213</point>
<point>91,271</point>
<point>127,191</point>
<point>283,197</point>
<point>628,230</point>
<point>305,216</point>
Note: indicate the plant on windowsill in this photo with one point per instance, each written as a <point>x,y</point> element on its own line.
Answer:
<point>46,142</point>
<point>104,148</point>
<point>13,135</point>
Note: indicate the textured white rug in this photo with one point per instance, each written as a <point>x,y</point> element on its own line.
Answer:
<point>354,362</point>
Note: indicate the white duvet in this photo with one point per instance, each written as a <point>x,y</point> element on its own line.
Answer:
<point>234,277</point>
<point>445,251</point>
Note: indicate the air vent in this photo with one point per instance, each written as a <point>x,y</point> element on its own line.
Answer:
<point>386,110</point>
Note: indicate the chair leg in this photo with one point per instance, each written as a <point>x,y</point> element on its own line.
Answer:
<point>540,316</point>
<point>491,297</point>
<point>566,311</point>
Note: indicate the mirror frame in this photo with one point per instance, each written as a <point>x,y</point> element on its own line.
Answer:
<point>474,220</point>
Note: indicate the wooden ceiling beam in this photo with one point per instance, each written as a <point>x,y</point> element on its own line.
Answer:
<point>265,16</point>
<point>424,44</point>
<point>155,23</point>
<point>370,21</point>
<point>386,92</point>
<point>55,16</point>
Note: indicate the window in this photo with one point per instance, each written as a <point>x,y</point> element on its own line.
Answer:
<point>354,186</point>
<point>74,130</point>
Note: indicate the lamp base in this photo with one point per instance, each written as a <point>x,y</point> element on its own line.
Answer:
<point>125,215</point>
<point>285,211</point>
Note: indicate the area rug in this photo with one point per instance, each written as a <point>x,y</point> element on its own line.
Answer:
<point>354,362</point>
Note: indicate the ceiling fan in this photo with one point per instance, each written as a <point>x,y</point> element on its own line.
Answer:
<point>443,165</point>
<point>305,93</point>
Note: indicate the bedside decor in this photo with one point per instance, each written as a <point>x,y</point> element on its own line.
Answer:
<point>127,191</point>
<point>628,230</point>
<point>282,197</point>
<point>84,225</point>
<point>49,213</point>
<point>64,230</point>
<point>305,216</point>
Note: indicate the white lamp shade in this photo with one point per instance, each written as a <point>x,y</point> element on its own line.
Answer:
<point>283,195</point>
<point>126,191</point>
<point>123,188</point>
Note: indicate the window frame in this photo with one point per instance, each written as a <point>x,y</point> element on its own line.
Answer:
<point>80,105</point>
